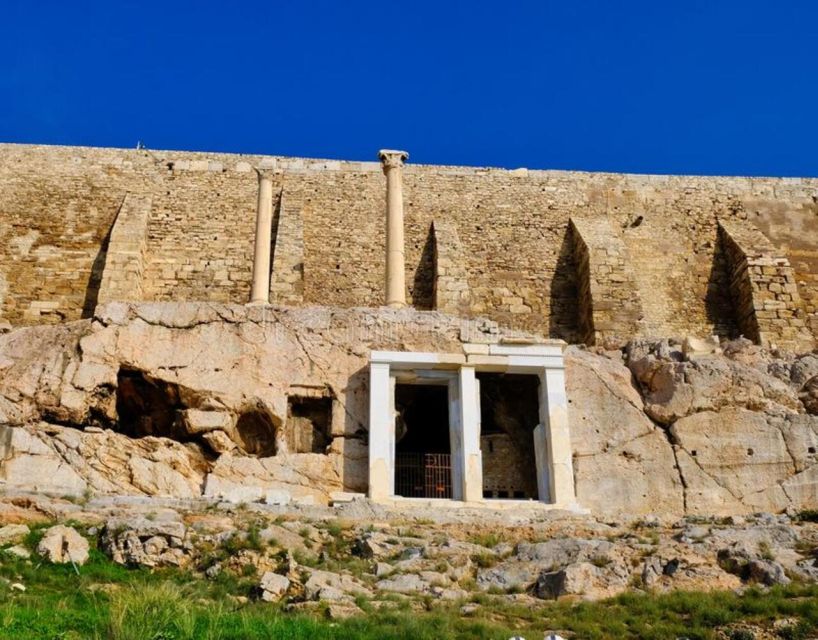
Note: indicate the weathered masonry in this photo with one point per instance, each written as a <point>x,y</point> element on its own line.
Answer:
<point>447,455</point>
<point>278,330</point>
<point>584,257</point>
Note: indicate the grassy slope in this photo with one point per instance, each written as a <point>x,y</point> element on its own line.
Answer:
<point>103,600</point>
<point>108,601</point>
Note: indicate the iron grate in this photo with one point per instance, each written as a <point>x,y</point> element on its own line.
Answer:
<point>423,475</point>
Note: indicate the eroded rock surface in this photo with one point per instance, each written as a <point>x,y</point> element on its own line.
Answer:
<point>191,399</point>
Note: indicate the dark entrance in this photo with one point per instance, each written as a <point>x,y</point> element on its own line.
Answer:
<point>509,408</point>
<point>423,461</point>
<point>308,424</point>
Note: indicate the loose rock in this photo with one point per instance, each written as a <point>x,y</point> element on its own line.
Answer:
<point>61,544</point>
<point>273,586</point>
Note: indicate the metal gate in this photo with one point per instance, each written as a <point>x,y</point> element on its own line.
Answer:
<point>423,475</point>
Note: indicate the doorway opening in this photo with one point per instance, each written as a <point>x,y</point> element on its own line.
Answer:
<point>423,460</point>
<point>308,424</point>
<point>509,408</point>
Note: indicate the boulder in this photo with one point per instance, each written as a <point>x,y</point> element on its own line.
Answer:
<point>373,544</point>
<point>61,544</point>
<point>675,388</point>
<point>342,610</point>
<point>12,533</point>
<point>404,583</point>
<point>693,346</point>
<point>803,369</point>
<point>806,570</point>
<point>655,569</point>
<point>652,571</point>
<point>139,541</point>
<point>767,572</point>
<point>273,586</point>
<point>561,552</point>
<point>809,396</point>
<point>196,422</point>
<point>581,578</point>
<point>331,584</point>
<point>18,551</point>
<point>508,576</point>
<point>218,441</point>
<point>283,538</point>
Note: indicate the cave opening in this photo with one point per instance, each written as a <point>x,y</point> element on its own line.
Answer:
<point>308,424</point>
<point>423,465</point>
<point>256,433</point>
<point>146,406</point>
<point>509,407</point>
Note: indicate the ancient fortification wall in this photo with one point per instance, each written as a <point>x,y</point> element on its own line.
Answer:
<point>582,256</point>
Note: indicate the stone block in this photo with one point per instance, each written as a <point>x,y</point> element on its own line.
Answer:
<point>196,421</point>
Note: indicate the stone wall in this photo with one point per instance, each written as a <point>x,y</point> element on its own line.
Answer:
<point>767,304</point>
<point>57,206</point>
<point>124,268</point>
<point>503,475</point>
<point>608,298</point>
<point>451,285</point>
<point>287,278</point>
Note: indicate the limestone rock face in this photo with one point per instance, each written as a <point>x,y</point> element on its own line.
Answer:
<point>308,478</point>
<point>190,399</point>
<point>735,455</point>
<point>67,461</point>
<point>739,424</point>
<point>622,461</point>
<point>676,387</point>
<point>184,400</point>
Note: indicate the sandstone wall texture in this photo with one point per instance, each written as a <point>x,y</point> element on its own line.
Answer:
<point>479,241</point>
<point>191,399</point>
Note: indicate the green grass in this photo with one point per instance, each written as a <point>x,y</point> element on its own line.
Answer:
<point>109,602</point>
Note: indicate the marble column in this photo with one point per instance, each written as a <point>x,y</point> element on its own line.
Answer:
<point>470,456</point>
<point>260,291</point>
<point>553,441</point>
<point>381,432</point>
<point>392,162</point>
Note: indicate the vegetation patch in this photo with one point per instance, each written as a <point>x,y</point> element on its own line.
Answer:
<point>102,600</point>
<point>110,602</point>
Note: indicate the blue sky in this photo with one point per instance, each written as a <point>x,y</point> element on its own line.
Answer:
<point>664,87</point>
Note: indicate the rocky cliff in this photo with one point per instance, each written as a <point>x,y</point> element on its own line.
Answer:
<point>188,400</point>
